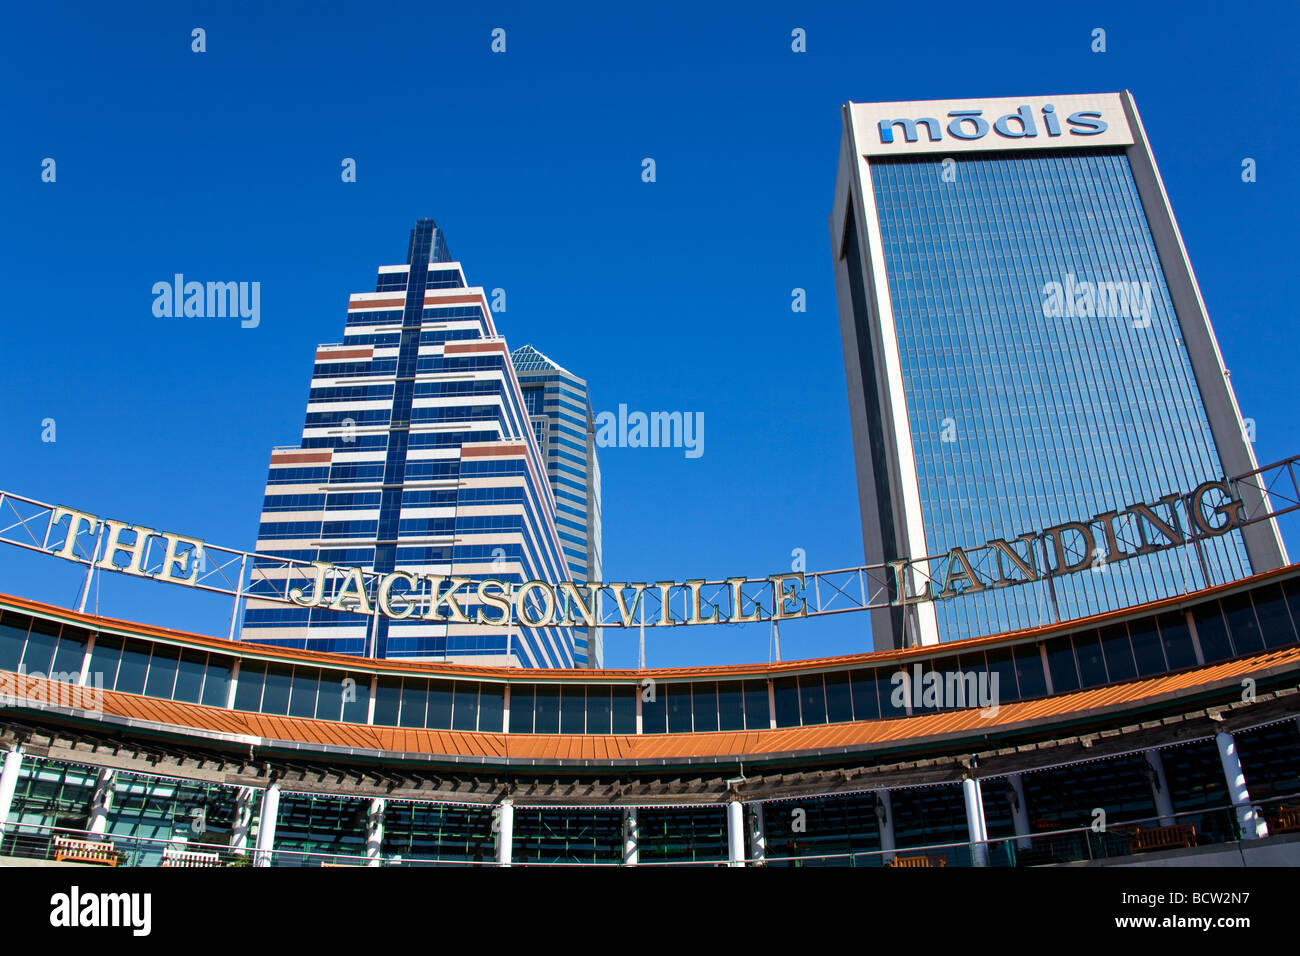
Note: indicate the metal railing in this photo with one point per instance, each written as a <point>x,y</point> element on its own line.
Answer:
<point>1215,826</point>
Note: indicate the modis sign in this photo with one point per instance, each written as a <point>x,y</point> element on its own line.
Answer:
<point>951,126</point>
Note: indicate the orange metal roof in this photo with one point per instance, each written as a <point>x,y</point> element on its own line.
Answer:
<point>531,675</point>
<point>592,747</point>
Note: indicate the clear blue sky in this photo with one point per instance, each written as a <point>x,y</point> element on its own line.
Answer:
<point>673,295</point>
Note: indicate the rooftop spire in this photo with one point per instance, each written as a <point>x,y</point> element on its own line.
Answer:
<point>427,243</point>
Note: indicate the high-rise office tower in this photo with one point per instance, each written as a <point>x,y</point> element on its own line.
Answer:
<point>417,454</point>
<point>1025,345</point>
<point>560,410</point>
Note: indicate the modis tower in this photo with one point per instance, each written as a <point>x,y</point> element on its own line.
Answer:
<point>1024,341</point>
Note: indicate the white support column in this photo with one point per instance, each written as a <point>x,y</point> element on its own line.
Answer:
<point>735,833</point>
<point>266,818</point>
<point>234,685</point>
<point>1160,788</point>
<point>85,664</point>
<point>9,783</point>
<point>505,831</point>
<point>885,819</point>
<point>1196,639</point>
<point>1252,822</point>
<point>375,833</point>
<point>243,819</point>
<point>1019,811</point>
<point>631,837</point>
<point>757,833</point>
<point>976,828</point>
<point>100,803</point>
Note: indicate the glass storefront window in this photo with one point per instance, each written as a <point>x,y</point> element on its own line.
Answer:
<point>216,681</point>
<point>1147,649</point>
<point>388,700</point>
<point>521,708</point>
<point>786,692</point>
<point>302,692</point>
<point>866,706</point>
<point>1212,632</point>
<point>812,699</point>
<point>162,672</point>
<point>1003,667</point>
<point>1177,640</point>
<point>440,704</point>
<point>40,647</point>
<point>464,714</point>
<point>1274,618</point>
<point>189,676</point>
<point>679,708</point>
<point>1061,664</point>
<point>547,710</point>
<point>704,707</point>
<point>69,655</point>
<point>731,706</point>
<point>1118,652</point>
<point>758,715</point>
<point>13,635</point>
<point>624,709</point>
<point>1243,627</point>
<point>415,701</point>
<point>1029,671</point>
<point>275,698</point>
<point>1092,665</point>
<point>573,703</point>
<point>133,668</point>
<point>491,707</point>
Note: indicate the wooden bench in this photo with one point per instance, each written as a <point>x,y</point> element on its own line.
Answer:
<point>919,859</point>
<point>1162,838</point>
<point>1284,820</point>
<point>85,851</point>
<point>176,857</point>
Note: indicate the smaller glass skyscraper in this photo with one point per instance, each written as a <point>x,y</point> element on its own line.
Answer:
<point>418,454</point>
<point>560,411</point>
<point>1025,345</point>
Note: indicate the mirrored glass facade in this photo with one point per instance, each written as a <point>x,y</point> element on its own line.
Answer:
<point>560,411</point>
<point>417,454</point>
<point>1028,410</point>
<point>1029,361</point>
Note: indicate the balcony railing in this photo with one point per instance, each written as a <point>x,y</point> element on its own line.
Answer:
<point>1216,826</point>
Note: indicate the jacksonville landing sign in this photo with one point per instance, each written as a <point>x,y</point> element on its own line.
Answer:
<point>1174,520</point>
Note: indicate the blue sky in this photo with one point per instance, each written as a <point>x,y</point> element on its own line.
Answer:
<point>671,295</point>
